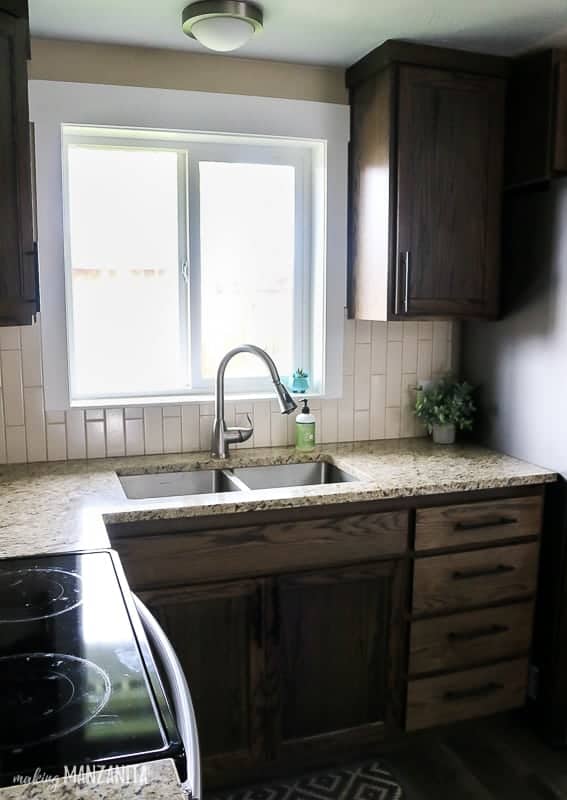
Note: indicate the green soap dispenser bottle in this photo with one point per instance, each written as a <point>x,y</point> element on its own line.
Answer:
<point>305,429</point>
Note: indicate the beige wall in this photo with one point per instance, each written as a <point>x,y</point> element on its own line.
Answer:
<point>88,62</point>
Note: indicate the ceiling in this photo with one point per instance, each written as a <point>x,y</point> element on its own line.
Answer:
<point>317,31</point>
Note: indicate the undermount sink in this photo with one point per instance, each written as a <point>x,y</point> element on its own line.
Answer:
<point>195,482</point>
<point>174,484</point>
<point>276,476</point>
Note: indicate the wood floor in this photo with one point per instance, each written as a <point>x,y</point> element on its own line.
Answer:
<point>496,758</point>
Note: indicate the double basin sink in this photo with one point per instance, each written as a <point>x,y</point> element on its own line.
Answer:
<point>239,479</point>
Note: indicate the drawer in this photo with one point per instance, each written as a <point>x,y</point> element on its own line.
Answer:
<point>477,523</point>
<point>176,559</point>
<point>464,640</point>
<point>481,577</point>
<point>463,695</point>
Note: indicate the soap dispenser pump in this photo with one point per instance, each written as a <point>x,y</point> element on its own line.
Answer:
<point>305,429</point>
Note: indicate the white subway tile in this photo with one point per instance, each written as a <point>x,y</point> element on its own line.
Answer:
<point>348,344</point>
<point>262,416</point>
<point>377,406</point>
<point>379,346</point>
<point>76,433</point>
<point>172,434</point>
<point>96,441</point>
<point>56,442</point>
<point>441,354</point>
<point>361,426</point>
<point>190,428</point>
<point>94,415</point>
<point>12,387</point>
<point>3,455</point>
<point>455,332</point>
<point>394,374</point>
<point>153,429</point>
<point>205,430</point>
<point>425,330</point>
<point>278,426</point>
<point>395,331</point>
<point>424,360</point>
<point>134,412</point>
<point>206,409</point>
<point>16,445</point>
<point>31,355</point>
<point>10,338</point>
<point>134,437</point>
<point>115,445</point>
<point>363,331</point>
<point>362,377</point>
<point>55,417</point>
<point>36,441</point>
<point>393,423</point>
<point>329,421</point>
<point>409,347</point>
<point>171,411</point>
<point>346,411</point>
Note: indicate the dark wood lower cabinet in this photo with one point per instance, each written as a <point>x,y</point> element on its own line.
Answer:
<point>340,640</point>
<point>216,631</point>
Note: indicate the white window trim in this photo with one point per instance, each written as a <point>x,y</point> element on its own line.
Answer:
<point>53,104</point>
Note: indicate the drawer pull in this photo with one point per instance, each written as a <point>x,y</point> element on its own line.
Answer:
<point>488,523</point>
<point>477,633</point>
<point>463,575</point>
<point>477,691</point>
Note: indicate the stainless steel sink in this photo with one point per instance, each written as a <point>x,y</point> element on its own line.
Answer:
<point>271,476</point>
<point>275,476</point>
<point>173,484</point>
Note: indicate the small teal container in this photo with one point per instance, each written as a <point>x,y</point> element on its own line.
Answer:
<point>300,382</point>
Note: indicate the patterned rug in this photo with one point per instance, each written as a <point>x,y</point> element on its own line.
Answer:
<point>368,781</point>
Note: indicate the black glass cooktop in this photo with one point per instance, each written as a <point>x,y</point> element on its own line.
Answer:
<point>78,684</point>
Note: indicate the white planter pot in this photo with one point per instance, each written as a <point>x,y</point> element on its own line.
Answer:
<point>444,434</point>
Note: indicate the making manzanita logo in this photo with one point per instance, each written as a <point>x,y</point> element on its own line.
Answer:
<point>91,775</point>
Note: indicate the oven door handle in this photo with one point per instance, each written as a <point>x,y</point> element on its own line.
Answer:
<point>181,700</point>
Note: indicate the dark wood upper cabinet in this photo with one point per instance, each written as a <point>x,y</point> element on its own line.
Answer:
<point>536,128</point>
<point>426,156</point>
<point>19,290</point>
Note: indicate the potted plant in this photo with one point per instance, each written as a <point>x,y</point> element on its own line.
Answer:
<point>300,383</point>
<point>444,407</point>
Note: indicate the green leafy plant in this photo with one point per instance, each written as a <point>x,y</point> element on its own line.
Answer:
<point>444,403</point>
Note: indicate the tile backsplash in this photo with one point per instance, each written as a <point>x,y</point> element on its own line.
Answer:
<point>382,364</point>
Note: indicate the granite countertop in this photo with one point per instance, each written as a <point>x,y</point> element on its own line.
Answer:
<point>155,780</point>
<point>57,507</point>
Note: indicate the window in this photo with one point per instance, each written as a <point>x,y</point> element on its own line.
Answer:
<point>181,246</point>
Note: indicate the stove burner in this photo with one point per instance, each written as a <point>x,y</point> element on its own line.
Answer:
<point>45,696</point>
<point>27,595</point>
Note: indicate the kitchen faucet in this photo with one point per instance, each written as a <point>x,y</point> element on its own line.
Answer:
<point>222,435</point>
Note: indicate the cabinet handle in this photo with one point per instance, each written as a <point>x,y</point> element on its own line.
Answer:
<point>489,523</point>
<point>477,691</point>
<point>407,282</point>
<point>477,633</point>
<point>465,574</point>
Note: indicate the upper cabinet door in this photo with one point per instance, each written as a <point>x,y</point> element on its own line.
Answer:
<point>18,254</point>
<point>449,162</point>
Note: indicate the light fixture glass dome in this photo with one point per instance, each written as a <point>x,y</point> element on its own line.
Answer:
<point>222,25</point>
<point>222,33</point>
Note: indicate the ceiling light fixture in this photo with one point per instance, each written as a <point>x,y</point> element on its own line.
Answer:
<point>222,25</point>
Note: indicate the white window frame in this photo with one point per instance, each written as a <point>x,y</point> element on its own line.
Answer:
<point>173,112</point>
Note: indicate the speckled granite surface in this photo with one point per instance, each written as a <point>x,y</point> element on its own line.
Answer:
<point>156,780</point>
<point>64,507</point>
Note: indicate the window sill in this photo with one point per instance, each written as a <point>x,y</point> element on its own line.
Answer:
<point>181,399</point>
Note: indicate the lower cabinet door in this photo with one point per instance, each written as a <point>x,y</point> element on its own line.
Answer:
<point>340,636</point>
<point>217,632</point>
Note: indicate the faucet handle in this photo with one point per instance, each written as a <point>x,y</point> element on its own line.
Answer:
<point>238,435</point>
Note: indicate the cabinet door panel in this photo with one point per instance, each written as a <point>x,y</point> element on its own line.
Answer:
<point>18,279</point>
<point>450,129</point>
<point>216,632</point>
<point>339,639</point>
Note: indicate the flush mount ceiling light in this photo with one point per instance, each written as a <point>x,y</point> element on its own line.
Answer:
<point>222,25</point>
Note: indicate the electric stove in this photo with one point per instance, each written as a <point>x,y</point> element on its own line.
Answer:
<point>78,682</point>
